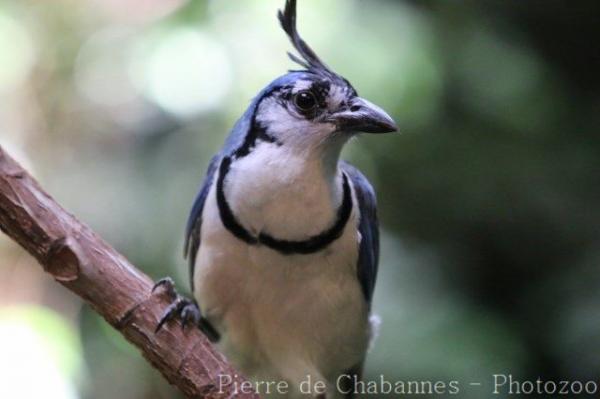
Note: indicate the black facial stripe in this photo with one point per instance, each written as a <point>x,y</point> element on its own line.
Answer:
<point>287,247</point>
<point>318,88</point>
<point>261,134</point>
<point>321,89</point>
<point>257,131</point>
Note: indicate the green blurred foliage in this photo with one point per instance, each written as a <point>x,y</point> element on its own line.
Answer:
<point>488,199</point>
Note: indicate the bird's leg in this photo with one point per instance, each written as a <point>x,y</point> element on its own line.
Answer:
<point>184,308</point>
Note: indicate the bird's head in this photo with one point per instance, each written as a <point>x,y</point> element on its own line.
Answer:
<point>313,107</point>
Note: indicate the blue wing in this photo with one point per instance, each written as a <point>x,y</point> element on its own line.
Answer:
<point>368,226</point>
<point>194,224</point>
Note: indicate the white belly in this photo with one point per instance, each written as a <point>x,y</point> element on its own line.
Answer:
<point>282,317</point>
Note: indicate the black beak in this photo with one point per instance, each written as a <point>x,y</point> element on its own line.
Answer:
<point>364,116</point>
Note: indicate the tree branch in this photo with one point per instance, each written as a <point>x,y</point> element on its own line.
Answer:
<point>84,263</point>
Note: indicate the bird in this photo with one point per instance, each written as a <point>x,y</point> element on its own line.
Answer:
<point>282,239</point>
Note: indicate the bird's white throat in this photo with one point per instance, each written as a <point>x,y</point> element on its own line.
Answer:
<point>287,194</point>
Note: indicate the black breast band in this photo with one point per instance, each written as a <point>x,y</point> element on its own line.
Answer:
<point>288,247</point>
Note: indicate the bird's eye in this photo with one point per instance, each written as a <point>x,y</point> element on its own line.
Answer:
<point>305,101</point>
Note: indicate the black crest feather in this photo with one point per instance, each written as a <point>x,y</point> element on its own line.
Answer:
<point>310,60</point>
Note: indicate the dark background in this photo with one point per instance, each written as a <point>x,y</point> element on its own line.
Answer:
<point>489,199</point>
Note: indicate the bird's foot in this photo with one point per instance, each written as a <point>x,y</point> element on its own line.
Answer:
<point>187,310</point>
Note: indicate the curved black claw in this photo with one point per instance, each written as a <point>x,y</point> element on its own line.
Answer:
<point>185,309</point>
<point>175,310</point>
<point>168,284</point>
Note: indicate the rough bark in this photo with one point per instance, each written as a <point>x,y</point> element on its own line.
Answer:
<point>84,263</point>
